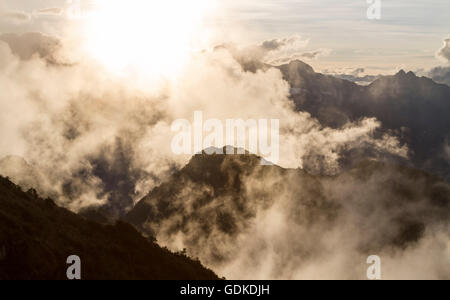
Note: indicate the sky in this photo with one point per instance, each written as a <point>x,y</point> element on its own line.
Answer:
<point>407,36</point>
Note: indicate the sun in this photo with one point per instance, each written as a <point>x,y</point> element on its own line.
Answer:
<point>151,37</point>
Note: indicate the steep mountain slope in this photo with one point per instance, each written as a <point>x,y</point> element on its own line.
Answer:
<point>206,180</point>
<point>36,237</point>
<point>251,221</point>
<point>414,109</point>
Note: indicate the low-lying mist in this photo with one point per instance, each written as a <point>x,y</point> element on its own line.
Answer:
<point>248,221</point>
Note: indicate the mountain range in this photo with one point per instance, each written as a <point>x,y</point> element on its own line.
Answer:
<point>227,210</point>
<point>248,221</point>
<point>414,109</point>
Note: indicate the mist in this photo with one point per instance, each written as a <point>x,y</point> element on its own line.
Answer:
<point>99,139</point>
<point>257,222</point>
<point>90,138</point>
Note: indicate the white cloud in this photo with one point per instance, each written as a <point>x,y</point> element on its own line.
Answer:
<point>70,120</point>
<point>444,52</point>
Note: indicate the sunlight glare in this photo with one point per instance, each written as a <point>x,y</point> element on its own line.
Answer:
<point>151,37</point>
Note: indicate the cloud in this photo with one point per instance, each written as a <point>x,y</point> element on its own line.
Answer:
<point>27,45</point>
<point>16,16</point>
<point>269,223</point>
<point>98,139</point>
<point>55,115</point>
<point>444,52</point>
<point>357,71</point>
<point>90,138</point>
<point>440,75</point>
<point>285,50</point>
<point>274,52</point>
<point>294,42</point>
<point>313,55</point>
<point>21,17</point>
<point>357,75</point>
<point>51,11</point>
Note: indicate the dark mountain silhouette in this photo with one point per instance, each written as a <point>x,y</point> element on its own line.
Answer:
<point>414,109</point>
<point>220,174</point>
<point>214,200</point>
<point>36,237</point>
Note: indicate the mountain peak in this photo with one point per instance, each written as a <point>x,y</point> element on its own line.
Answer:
<point>301,66</point>
<point>403,74</point>
<point>402,77</point>
<point>212,159</point>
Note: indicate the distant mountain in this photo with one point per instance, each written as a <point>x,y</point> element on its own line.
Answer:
<point>414,109</point>
<point>36,237</point>
<point>215,205</point>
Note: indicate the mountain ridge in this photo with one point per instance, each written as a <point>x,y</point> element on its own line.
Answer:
<point>413,109</point>
<point>32,228</point>
<point>214,205</point>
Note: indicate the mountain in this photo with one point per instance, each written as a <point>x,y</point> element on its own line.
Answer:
<point>36,237</point>
<point>252,221</point>
<point>414,109</point>
<point>208,177</point>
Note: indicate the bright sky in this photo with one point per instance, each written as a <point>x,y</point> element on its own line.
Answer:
<point>407,36</point>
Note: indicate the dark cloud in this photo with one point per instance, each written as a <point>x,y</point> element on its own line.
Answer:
<point>312,55</point>
<point>27,45</point>
<point>440,75</point>
<point>285,50</point>
<point>272,45</point>
<point>276,44</point>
